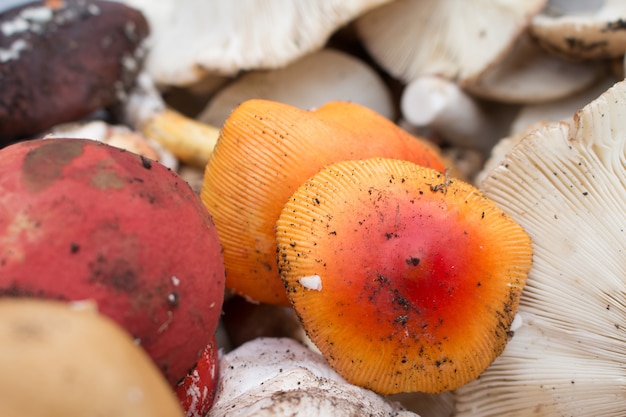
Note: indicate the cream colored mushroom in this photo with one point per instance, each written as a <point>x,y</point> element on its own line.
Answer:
<point>66,359</point>
<point>560,109</point>
<point>566,185</point>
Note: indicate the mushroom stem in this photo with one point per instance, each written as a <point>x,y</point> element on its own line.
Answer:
<point>189,140</point>
<point>443,106</point>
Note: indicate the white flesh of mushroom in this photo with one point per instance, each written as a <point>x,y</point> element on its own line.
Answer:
<point>280,377</point>
<point>566,185</point>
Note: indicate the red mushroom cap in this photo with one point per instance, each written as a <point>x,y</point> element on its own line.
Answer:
<point>405,279</point>
<point>83,220</point>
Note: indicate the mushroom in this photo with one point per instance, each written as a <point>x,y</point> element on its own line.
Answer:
<point>80,219</point>
<point>595,32</point>
<point>529,74</point>
<point>189,140</point>
<point>565,184</point>
<point>66,359</point>
<point>534,116</point>
<point>61,63</point>
<point>194,38</point>
<point>451,39</point>
<point>196,391</point>
<point>280,377</point>
<point>405,279</point>
<point>444,107</point>
<point>265,151</point>
<point>309,82</point>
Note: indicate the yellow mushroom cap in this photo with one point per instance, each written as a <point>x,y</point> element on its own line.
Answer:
<point>405,279</point>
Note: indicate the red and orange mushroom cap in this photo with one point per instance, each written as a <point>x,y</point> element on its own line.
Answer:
<point>405,279</point>
<point>265,151</point>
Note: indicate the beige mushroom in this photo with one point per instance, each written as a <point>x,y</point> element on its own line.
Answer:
<point>66,359</point>
<point>565,184</point>
<point>309,82</point>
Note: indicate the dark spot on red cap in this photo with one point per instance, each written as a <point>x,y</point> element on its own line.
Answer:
<point>44,165</point>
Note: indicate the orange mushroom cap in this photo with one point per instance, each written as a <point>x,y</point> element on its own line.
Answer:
<point>406,280</point>
<point>265,151</point>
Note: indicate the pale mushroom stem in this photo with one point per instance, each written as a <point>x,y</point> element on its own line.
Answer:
<point>443,106</point>
<point>189,140</point>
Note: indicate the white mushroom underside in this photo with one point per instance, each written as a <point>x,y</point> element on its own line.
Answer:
<point>194,37</point>
<point>451,38</point>
<point>280,377</point>
<point>566,185</point>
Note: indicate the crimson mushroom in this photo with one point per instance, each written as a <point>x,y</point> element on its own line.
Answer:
<point>196,392</point>
<point>63,60</point>
<point>80,219</point>
<point>265,151</point>
<point>405,279</point>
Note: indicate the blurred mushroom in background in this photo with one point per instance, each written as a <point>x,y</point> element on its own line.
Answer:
<point>311,81</point>
<point>192,39</point>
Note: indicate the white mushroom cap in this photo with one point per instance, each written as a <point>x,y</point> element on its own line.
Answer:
<point>450,38</point>
<point>309,82</point>
<point>280,377</point>
<point>597,32</point>
<point>191,38</point>
<point>566,185</point>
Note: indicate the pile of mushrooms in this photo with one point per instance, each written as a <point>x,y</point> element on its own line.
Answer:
<point>291,119</point>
